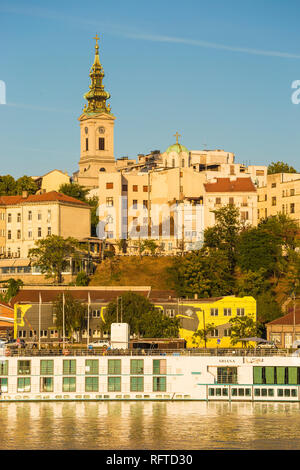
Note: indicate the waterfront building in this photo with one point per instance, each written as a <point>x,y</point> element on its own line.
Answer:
<point>51,181</point>
<point>34,310</point>
<point>280,194</point>
<point>283,331</point>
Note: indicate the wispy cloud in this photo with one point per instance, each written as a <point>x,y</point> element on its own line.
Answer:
<point>120,30</point>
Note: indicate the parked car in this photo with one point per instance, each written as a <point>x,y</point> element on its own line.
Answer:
<point>100,343</point>
<point>267,345</point>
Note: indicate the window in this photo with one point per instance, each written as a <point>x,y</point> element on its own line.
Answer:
<point>227,375</point>
<point>86,144</point>
<point>29,234</point>
<point>91,366</point>
<point>240,312</point>
<point>227,312</point>
<point>46,384</point>
<point>218,200</point>
<point>29,215</point>
<point>39,232</point>
<point>292,192</point>
<point>231,201</point>
<point>39,216</point>
<point>49,215</point>
<point>173,162</point>
<point>24,367</point>
<point>227,332</point>
<point>114,366</point>
<point>96,313</point>
<point>244,216</point>
<point>136,384</point>
<point>18,234</point>
<point>19,217</point>
<point>23,384</point>
<point>46,367</point>
<point>9,234</point>
<point>114,384</point>
<point>273,185</point>
<point>124,188</point>
<point>91,384</point>
<point>53,333</point>
<point>182,162</point>
<point>145,204</point>
<point>292,208</point>
<point>3,385</point>
<point>101,143</point>
<point>9,218</point>
<point>69,384</point>
<point>109,202</point>
<point>214,312</point>
<point>170,312</point>
<point>159,366</point>
<point>145,189</point>
<point>159,384</point>
<point>135,188</point>
<point>49,231</point>
<point>3,367</point>
<point>109,185</point>
<point>44,334</point>
<point>214,333</point>
<point>134,204</point>
<point>69,366</point>
<point>274,201</point>
<point>137,366</point>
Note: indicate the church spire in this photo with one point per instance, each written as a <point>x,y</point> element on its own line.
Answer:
<point>97,96</point>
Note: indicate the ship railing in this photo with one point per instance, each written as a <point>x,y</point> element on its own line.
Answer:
<point>69,351</point>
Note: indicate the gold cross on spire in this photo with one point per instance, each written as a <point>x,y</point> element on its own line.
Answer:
<point>177,135</point>
<point>97,38</point>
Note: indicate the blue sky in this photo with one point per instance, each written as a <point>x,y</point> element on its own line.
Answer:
<point>218,72</point>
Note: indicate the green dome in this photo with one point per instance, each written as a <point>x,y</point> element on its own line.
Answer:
<point>178,148</point>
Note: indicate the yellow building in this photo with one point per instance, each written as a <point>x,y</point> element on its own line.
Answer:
<point>281,194</point>
<point>51,181</point>
<point>215,312</point>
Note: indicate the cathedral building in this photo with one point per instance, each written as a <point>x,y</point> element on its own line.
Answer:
<point>170,196</point>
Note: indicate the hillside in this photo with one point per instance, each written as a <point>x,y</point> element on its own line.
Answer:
<point>134,271</point>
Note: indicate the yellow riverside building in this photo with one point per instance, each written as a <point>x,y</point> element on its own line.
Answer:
<point>34,312</point>
<point>217,312</point>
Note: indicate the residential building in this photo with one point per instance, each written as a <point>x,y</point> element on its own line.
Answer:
<point>285,330</point>
<point>51,181</point>
<point>193,313</point>
<point>34,217</point>
<point>281,194</point>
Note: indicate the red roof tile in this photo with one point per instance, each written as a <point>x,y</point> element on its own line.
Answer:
<point>45,197</point>
<point>225,185</point>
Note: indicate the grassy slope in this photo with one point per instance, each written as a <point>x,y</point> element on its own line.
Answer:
<point>133,271</point>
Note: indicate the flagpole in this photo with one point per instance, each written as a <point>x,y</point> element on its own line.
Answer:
<point>63,320</point>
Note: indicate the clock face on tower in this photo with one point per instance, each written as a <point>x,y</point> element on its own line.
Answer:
<point>101,130</point>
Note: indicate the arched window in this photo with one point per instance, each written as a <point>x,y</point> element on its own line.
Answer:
<point>182,162</point>
<point>173,162</point>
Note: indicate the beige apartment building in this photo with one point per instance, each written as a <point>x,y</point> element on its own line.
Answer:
<point>30,218</point>
<point>51,181</point>
<point>281,194</point>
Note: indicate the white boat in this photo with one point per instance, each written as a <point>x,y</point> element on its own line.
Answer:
<point>228,375</point>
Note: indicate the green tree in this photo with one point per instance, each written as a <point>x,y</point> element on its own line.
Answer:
<point>243,327</point>
<point>7,185</point>
<point>252,283</point>
<point>71,313</point>
<point>202,333</point>
<point>82,279</point>
<point>149,245</point>
<point>13,286</point>
<point>52,255</point>
<point>26,183</point>
<point>204,272</point>
<point>223,236</point>
<point>74,190</point>
<point>93,202</point>
<point>141,315</point>
<point>280,167</point>
<point>259,249</point>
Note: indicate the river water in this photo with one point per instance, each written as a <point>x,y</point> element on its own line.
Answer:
<point>149,425</point>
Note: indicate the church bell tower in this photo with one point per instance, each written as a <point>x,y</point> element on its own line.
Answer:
<point>96,129</point>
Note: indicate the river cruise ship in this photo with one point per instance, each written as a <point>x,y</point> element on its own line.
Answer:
<point>200,374</point>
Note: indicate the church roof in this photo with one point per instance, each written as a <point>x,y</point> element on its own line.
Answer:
<point>178,148</point>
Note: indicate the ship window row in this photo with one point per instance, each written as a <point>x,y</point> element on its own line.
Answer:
<point>159,366</point>
<point>114,384</point>
<point>269,392</point>
<point>227,312</point>
<point>276,375</point>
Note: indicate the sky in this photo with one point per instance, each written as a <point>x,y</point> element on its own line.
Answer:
<point>220,73</point>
